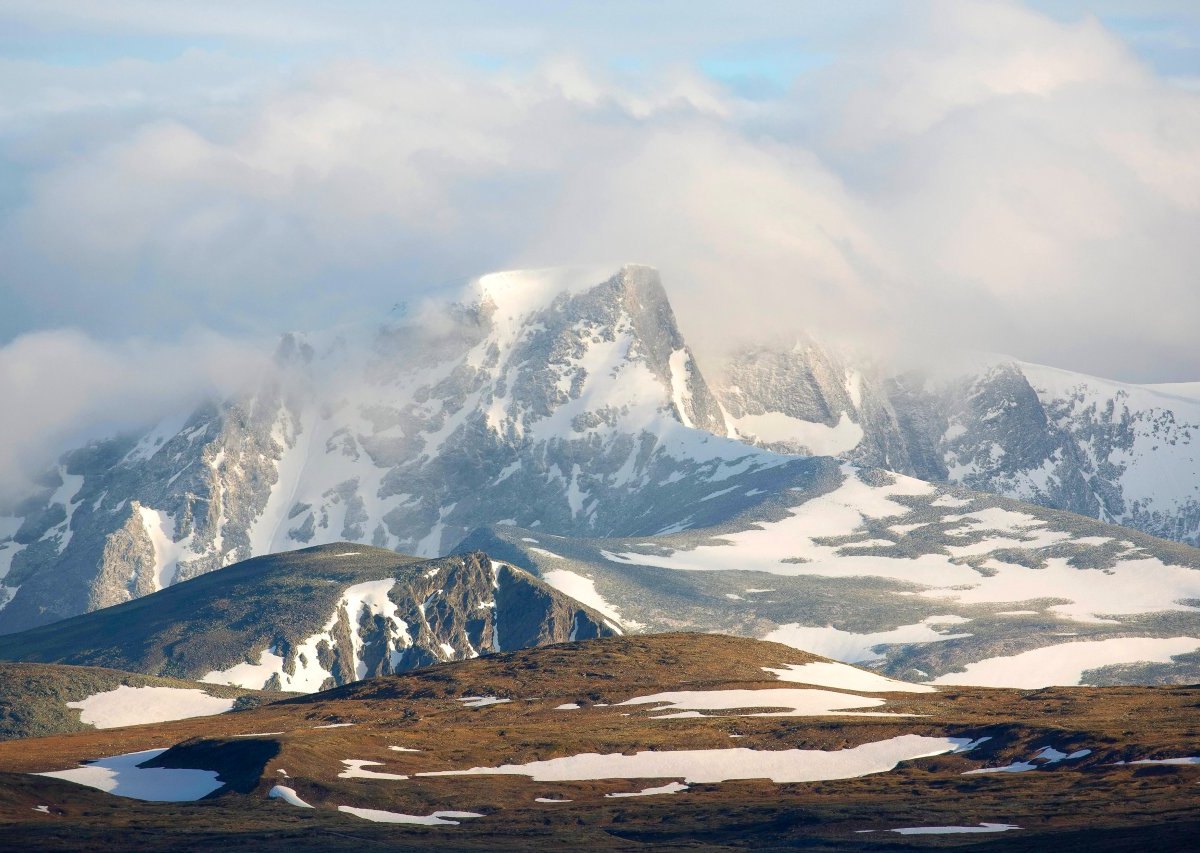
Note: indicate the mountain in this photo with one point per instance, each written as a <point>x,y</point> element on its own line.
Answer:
<point>37,700</point>
<point>566,401</point>
<point>1122,453</point>
<point>928,583</point>
<point>689,741</point>
<point>315,618</point>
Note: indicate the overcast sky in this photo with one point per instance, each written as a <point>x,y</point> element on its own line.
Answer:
<point>181,181</point>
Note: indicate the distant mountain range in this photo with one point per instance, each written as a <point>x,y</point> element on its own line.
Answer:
<point>1122,453</point>
<point>562,413</point>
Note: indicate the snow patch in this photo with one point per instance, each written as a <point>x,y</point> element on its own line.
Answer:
<point>120,775</point>
<point>481,701</point>
<point>1194,759</point>
<point>160,527</point>
<point>583,590</point>
<point>798,702</point>
<point>132,706</point>
<point>356,769</point>
<point>955,830</point>
<point>842,677</point>
<point>818,438</point>
<point>721,765</point>
<point>669,788</point>
<point>850,647</point>
<point>288,795</point>
<point>380,816</point>
<point>368,599</point>
<point>681,395</point>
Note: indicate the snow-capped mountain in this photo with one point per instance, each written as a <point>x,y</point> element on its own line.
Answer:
<point>565,400</point>
<point>1122,453</point>
<point>307,620</point>
<point>568,404</point>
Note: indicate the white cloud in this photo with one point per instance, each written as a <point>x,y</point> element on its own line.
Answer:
<point>972,174</point>
<point>62,387</point>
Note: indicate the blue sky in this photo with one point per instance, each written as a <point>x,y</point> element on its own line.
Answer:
<point>770,42</point>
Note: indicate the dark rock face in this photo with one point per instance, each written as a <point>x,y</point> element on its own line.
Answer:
<point>316,618</point>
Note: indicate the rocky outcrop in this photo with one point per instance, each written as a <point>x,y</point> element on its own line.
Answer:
<point>316,618</point>
<point>126,567</point>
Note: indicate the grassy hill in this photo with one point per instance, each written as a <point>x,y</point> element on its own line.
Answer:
<point>500,736</point>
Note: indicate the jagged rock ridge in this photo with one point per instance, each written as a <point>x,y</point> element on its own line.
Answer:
<point>312,619</point>
<point>1121,453</point>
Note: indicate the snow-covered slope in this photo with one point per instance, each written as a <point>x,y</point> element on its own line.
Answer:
<point>1118,452</point>
<point>923,581</point>
<point>562,400</point>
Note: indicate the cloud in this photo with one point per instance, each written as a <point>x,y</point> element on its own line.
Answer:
<point>60,388</point>
<point>967,175</point>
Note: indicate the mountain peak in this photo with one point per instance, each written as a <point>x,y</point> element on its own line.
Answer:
<point>520,292</point>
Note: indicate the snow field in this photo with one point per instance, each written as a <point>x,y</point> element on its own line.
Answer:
<point>1065,663</point>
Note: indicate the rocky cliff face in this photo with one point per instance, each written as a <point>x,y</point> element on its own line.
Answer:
<point>308,620</point>
<point>812,400</point>
<point>1121,453</point>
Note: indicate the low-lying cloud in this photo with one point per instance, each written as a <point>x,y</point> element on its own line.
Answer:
<point>62,387</point>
